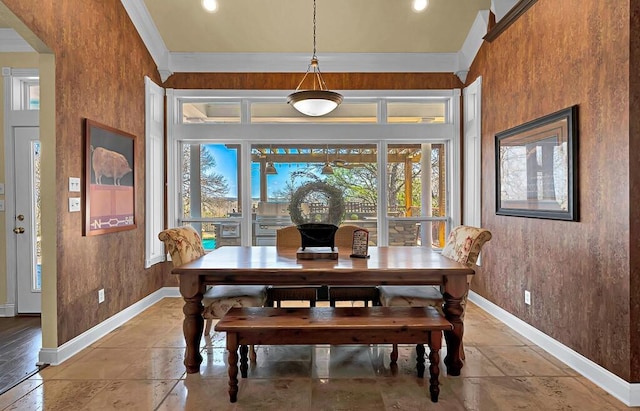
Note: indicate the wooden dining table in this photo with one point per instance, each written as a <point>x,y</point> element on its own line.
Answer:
<point>266,265</point>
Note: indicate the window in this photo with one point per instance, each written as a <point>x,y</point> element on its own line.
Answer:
<point>210,197</point>
<point>233,172</point>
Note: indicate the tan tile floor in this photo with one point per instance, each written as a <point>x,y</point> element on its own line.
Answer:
<point>139,367</point>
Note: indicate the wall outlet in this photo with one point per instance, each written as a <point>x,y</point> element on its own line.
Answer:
<point>527,297</point>
<point>101,295</point>
<point>74,204</point>
<point>74,184</point>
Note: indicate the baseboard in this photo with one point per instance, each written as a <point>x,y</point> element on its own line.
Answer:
<point>7,310</point>
<point>56,356</point>
<point>626,392</point>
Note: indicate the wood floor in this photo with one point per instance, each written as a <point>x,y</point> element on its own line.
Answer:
<point>20,342</point>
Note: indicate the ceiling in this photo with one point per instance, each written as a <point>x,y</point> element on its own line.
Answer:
<point>277,35</point>
<point>342,26</point>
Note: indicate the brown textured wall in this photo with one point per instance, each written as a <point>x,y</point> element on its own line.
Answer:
<point>634,185</point>
<point>561,53</point>
<point>100,78</point>
<point>335,81</point>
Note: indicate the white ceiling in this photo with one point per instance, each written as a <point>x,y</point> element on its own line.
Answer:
<point>277,35</point>
<point>286,26</point>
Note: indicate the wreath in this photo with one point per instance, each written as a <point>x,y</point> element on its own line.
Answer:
<point>335,203</point>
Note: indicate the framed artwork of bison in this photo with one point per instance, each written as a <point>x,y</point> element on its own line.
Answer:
<point>109,195</point>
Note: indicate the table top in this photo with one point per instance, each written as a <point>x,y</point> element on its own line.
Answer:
<point>268,265</point>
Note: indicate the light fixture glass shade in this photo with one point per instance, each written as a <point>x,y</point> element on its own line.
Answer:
<point>315,102</point>
<point>270,169</point>
<point>327,169</point>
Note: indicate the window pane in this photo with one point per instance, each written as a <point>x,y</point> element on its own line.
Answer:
<point>210,192</point>
<point>424,112</point>
<point>211,112</point>
<point>285,113</point>
<point>278,170</point>
<point>417,188</point>
<point>33,93</point>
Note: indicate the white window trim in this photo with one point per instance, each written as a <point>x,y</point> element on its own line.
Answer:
<point>154,172</point>
<point>245,134</point>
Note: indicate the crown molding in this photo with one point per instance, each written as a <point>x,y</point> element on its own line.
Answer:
<point>512,15</point>
<point>150,35</point>
<point>329,62</point>
<point>12,42</point>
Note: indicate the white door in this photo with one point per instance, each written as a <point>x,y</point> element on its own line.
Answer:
<point>27,219</point>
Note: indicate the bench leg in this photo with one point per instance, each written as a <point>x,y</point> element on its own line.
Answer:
<point>435,343</point>
<point>420,360</point>
<point>252,353</point>
<point>394,354</point>
<point>232,347</point>
<point>244,367</point>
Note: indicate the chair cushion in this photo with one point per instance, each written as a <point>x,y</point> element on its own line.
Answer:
<point>410,296</point>
<point>221,298</point>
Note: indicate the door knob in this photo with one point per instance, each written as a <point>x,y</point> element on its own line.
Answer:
<point>18,230</point>
<point>20,217</point>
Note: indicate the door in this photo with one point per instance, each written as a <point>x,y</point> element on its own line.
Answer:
<point>27,219</point>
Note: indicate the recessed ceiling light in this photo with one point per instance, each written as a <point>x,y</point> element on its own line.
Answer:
<point>210,5</point>
<point>420,5</point>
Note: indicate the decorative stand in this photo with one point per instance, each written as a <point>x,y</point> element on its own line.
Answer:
<point>318,241</point>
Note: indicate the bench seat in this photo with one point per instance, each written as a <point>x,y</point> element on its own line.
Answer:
<point>329,325</point>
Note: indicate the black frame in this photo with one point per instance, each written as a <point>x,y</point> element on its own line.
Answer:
<point>542,134</point>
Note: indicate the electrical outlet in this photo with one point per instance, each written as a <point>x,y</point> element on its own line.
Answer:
<point>101,295</point>
<point>74,184</point>
<point>74,204</point>
<point>527,297</point>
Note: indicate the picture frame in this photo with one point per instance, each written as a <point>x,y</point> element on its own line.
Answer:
<point>537,168</point>
<point>109,195</point>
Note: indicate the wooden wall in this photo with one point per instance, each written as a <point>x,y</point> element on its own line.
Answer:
<point>97,77</point>
<point>335,81</point>
<point>583,275</point>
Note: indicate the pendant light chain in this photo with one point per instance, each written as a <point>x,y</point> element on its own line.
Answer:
<point>314,30</point>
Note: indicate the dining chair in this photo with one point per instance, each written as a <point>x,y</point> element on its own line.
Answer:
<point>185,245</point>
<point>344,243</point>
<point>463,245</point>
<point>288,238</point>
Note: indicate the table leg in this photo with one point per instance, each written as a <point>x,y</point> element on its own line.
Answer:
<point>453,312</point>
<point>244,364</point>
<point>420,360</point>
<point>232,347</point>
<point>192,327</point>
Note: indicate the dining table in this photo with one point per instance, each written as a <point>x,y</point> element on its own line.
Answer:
<point>266,265</point>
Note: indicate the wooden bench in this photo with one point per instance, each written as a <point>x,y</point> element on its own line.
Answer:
<point>329,325</point>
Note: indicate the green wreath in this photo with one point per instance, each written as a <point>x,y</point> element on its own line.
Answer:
<point>334,195</point>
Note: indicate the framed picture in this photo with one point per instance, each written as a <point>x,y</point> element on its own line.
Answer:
<point>537,168</point>
<point>109,195</point>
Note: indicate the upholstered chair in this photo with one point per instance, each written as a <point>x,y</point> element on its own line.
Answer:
<point>463,245</point>
<point>185,245</point>
<point>288,238</point>
<point>344,242</point>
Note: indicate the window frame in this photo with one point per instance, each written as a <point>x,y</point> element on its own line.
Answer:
<point>381,133</point>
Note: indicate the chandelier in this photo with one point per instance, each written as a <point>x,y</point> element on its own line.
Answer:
<point>319,100</point>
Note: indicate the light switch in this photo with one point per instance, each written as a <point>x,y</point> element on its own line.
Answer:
<point>74,184</point>
<point>1,189</point>
<point>74,204</point>
<point>1,205</point>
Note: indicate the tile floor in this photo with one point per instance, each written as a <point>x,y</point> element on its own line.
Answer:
<point>139,367</point>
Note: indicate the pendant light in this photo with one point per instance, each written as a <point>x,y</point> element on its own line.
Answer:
<point>327,169</point>
<point>270,168</point>
<point>319,100</point>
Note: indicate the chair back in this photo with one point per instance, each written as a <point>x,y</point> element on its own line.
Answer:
<point>288,237</point>
<point>183,244</point>
<point>344,237</point>
<point>464,244</point>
